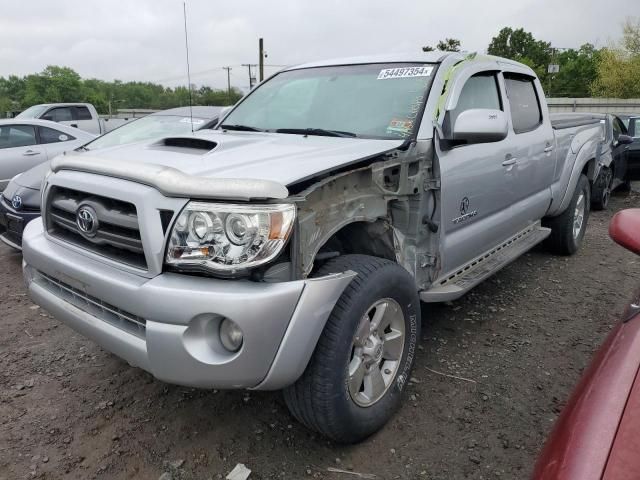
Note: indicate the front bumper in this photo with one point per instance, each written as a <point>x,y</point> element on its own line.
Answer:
<point>12,223</point>
<point>168,325</point>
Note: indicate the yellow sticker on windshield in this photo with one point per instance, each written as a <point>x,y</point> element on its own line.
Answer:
<point>404,72</point>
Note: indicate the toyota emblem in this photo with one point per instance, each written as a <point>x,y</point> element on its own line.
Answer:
<point>87,221</point>
<point>464,206</point>
<point>16,202</point>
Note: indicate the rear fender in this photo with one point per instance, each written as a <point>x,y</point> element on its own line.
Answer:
<point>585,157</point>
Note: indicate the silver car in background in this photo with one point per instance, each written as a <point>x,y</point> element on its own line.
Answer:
<point>27,143</point>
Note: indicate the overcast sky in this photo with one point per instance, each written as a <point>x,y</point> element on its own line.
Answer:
<point>144,39</point>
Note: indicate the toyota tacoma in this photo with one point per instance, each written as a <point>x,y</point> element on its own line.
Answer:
<point>291,247</point>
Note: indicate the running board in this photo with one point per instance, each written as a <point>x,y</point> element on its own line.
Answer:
<point>459,283</point>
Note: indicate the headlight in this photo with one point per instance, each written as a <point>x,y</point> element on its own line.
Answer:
<point>228,238</point>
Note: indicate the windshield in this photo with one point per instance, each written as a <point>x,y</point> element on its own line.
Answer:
<point>32,112</point>
<point>370,101</point>
<point>146,128</point>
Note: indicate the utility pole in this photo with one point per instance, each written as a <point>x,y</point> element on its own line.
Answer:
<point>252,79</point>
<point>228,69</point>
<point>261,57</point>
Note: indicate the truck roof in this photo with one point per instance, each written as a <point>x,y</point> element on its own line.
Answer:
<point>407,57</point>
<point>64,104</point>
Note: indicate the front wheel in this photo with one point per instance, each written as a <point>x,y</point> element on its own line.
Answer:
<point>568,228</point>
<point>354,381</point>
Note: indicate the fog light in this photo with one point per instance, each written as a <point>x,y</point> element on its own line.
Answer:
<point>230,335</point>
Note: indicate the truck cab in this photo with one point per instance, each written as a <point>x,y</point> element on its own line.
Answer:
<point>79,115</point>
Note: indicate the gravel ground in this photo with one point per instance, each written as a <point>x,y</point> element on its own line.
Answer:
<point>491,375</point>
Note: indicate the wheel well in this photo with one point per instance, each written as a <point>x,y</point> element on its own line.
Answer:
<point>366,238</point>
<point>589,169</point>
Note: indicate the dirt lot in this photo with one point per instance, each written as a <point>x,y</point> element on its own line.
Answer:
<point>518,343</point>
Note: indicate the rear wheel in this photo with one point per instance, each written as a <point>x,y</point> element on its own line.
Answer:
<point>568,228</point>
<point>354,381</point>
<point>601,192</point>
<point>625,186</point>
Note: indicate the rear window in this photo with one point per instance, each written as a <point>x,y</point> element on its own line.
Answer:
<point>50,135</point>
<point>526,113</point>
<point>59,114</point>
<point>82,113</point>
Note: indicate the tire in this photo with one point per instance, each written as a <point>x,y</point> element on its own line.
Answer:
<point>625,186</point>
<point>322,398</point>
<point>562,240</point>
<point>601,191</point>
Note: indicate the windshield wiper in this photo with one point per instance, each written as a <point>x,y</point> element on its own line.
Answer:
<point>317,131</point>
<point>241,128</point>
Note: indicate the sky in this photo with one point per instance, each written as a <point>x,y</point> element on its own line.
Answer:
<point>144,39</point>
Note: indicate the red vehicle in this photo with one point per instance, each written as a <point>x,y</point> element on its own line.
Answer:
<point>597,436</point>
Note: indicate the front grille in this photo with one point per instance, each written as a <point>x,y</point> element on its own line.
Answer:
<point>94,306</point>
<point>117,236</point>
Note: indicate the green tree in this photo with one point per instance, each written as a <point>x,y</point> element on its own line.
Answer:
<point>53,84</point>
<point>578,68</point>
<point>618,67</point>
<point>523,47</point>
<point>62,84</point>
<point>11,91</point>
<point>631,35</point>
<point>446,45</point>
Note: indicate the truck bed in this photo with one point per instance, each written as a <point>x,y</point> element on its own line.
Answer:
<point>560,121</point>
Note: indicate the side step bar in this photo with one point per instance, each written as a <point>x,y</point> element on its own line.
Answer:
<point>456,285</point>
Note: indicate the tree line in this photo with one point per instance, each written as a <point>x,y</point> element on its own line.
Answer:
<point>611,71</point>
<point>62,84</point>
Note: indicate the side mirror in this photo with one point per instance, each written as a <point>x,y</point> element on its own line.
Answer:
<point>624,139</point>
<point>625,229</point>
<point>480,125</point>
<point>222,114</point>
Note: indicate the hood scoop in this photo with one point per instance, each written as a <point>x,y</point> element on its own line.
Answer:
<point>196,145</point>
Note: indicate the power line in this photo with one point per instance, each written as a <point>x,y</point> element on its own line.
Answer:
<point>209,71</point>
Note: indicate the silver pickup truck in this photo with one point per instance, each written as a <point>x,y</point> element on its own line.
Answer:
<point>291,247</point>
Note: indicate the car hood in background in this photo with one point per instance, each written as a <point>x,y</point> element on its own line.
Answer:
<point>33,177</point>
<point>30,196</point>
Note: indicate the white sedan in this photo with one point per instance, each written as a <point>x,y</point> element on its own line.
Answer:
<point>27,143</point>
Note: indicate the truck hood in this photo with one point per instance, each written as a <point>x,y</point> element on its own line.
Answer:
<point>276,157</point>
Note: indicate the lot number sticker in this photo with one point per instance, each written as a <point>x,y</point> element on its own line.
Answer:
<point>404,72</point>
